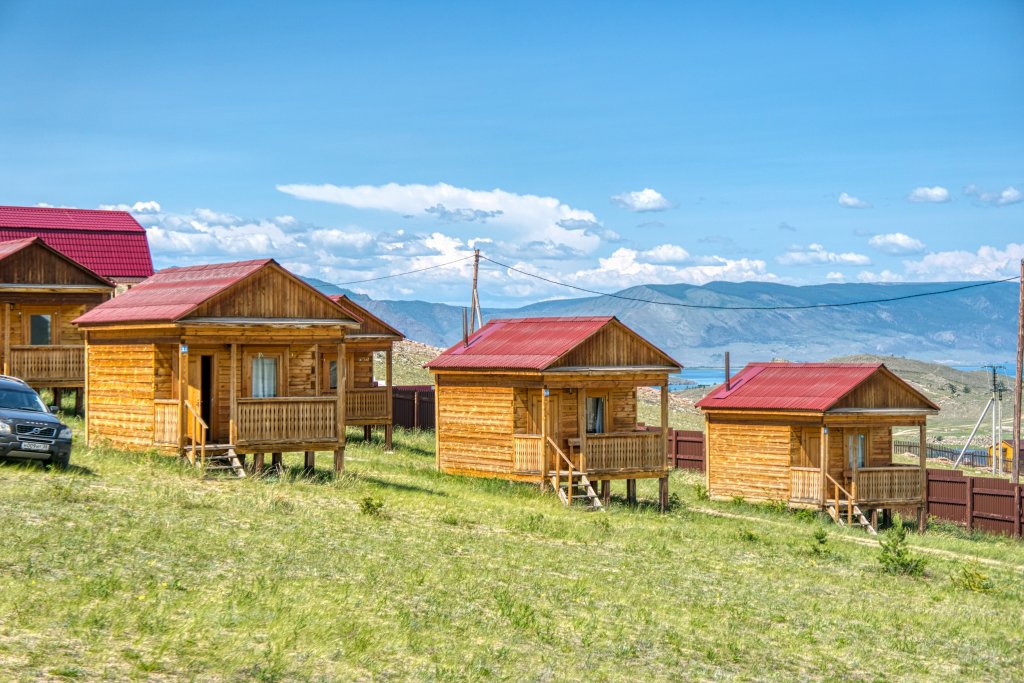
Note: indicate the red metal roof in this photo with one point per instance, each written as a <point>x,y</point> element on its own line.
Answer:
<point>171,294</point>
<point>109,243</point>
<point>789,386</point>
<point>520,343</point>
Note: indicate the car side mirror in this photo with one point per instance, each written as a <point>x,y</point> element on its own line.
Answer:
<point>53,409</point>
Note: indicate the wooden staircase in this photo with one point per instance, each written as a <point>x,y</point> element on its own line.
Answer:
<point>572,486</point>
<point>219,458</point>
<point>853,513</point>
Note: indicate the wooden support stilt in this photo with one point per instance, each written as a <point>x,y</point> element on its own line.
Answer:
<point>631,491</point>
<point>606,492</point>
<point>58,398</point>
<point>257,463</point>
<point>277,462</point>
<point>339,459</point>
<point>79,400</point>
<point>663,493</point>
<point>388,433</point>
<point>310,463</point>
<point>874,518</point>
<point>241,459</point>
<point>367,433</point>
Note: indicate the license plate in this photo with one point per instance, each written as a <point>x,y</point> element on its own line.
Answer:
<point>34,446</point>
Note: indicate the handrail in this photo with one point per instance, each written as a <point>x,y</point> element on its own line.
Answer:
<point>199,425</point>
<point>558,470</point>
<point>851,498</point>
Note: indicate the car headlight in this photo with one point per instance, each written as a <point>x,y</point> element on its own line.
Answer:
<point>4,428</point>
<point>64,433</point>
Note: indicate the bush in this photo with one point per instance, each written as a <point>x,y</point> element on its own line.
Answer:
<point>371,506</point>
<point>819,543</point>
<point>969,577</point>
<point>748,536</point>
<point>702,492</point>
<point>896,557</point>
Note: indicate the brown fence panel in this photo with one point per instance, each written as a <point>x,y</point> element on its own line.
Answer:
<point>413,407</point>
<point>976,502</point>
<point>686,449</point>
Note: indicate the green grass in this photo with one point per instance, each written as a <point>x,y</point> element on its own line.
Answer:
<point>129,566</point>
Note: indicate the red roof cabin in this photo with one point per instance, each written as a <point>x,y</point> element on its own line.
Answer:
<point>816,435</point>
<point>552,400</point>
<point>111,244</point>
<point>219,360</point>
<point>41,292</point>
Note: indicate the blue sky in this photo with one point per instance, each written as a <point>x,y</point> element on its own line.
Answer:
<point>603,144</point>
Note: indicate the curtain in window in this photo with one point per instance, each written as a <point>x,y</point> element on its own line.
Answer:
<point>333,372</point>
<point>595,415</point>
<point>264,377</point>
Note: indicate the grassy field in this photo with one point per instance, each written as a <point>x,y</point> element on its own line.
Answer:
<point>130,566</point>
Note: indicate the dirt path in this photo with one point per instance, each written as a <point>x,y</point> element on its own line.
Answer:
<point>938,552</point>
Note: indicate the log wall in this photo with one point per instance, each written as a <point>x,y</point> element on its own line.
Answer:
<point>120,394</point>
<point>474,430</point>
<point>750,460</point>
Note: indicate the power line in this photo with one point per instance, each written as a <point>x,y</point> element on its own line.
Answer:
<point>408,272</point>
<point>680,304</point>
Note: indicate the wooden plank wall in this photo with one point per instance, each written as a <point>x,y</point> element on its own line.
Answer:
<point>269,293</point>
<point>37,265</point>
<point>120,394</point>
<point>614,345</point>
<point>474,430</point>
<point>881,391</point>
<point>750,460</point>
<point>69,334</point>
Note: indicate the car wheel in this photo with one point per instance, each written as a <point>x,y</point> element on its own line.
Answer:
<point>61,462</point>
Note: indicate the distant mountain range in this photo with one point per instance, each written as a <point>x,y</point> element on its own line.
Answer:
<point>968,327</point>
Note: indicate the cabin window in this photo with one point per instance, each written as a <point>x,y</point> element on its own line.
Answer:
<point>332,374</point>
<point>264,376</point>
<point>40,329</point>
<point>595,414</point>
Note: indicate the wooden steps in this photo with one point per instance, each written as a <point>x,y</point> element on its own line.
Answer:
<point>577,485</point>
<point>839,516</point>
<point>222,458</point>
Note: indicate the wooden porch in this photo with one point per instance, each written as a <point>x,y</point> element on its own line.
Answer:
<point>49,366</point>
<point>615,455</point>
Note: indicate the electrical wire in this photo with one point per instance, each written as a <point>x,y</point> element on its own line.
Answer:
<point>680,304</point>
<point>408,272</point>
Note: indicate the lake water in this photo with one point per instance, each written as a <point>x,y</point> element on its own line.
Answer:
<point>705,377</point>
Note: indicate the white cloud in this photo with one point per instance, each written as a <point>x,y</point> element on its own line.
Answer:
<point>984,264</point>
<point>1009,195</point>
<point>936,195</point>
<point>851,202</point>
<point>642,200</point>
<point>884,276</point>
<point>815,254</point>
<point>666,253</point>
<point>627,268</point>
<point>137,207</point>
<point>524,217</point>
<point>897,243</point>
<point>835,276</point>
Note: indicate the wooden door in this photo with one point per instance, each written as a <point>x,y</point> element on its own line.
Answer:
<point>855,451</point>
<point>202,394</point>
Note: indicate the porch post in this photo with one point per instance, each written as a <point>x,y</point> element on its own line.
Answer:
<point>233,419</point>
<point>339,451</point>
<point>7,339</point>
<point>922,516</point>
<point>581,415</point>
<point>823,462</point>
<point>664,420</point>
<point>182,393</point>
<point>84,395</point>
<point>388,428</point>
<point>542,465</point>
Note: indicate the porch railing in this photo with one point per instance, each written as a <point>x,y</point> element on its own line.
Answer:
<point>48,363</point>
<point>625,452</point>
<point>805,484</point>
<point>366,404</point>
<point>527,453</point>
<point>287,420</point>
<point>165,422</point>
<point>888,484</point>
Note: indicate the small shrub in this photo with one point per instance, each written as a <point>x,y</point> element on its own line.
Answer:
<point>674,502</point>
<point>969,577</point>
<point>819,543</point>
<point>450,518</point>
<point>738,500</point>
<point>748,536</point>
<point>806,515</point>
<point>896,557</point>
<point>371,506</point>
<point>702,492</point>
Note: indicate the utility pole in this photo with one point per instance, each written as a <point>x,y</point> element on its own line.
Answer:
<point>1015,438</point>
<point>997,416</point>
<point>475,315</point>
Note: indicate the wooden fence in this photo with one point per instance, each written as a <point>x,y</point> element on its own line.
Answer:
<point>973,457</point>
<point>983,503</point>
<point>685,448</point>
<point>413,407</point>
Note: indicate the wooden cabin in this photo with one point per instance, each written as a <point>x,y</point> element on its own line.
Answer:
<point>816,435</point>
<point>369,404</point>
<point>110,244</point>
<point>42,291</point>
<point>1006,452</point>
<point>552,400</point>
<point>217,358</point>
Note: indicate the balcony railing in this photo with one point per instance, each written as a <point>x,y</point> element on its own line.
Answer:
<point>366,404</point>
<point>889,484</point>
<point>805,484</point>
<point>38,364</point>
<point>527,453</point>
<point>287,420</point>
<point>625,452</point>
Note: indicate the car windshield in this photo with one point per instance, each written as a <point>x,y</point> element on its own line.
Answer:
<point>14,399</point>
